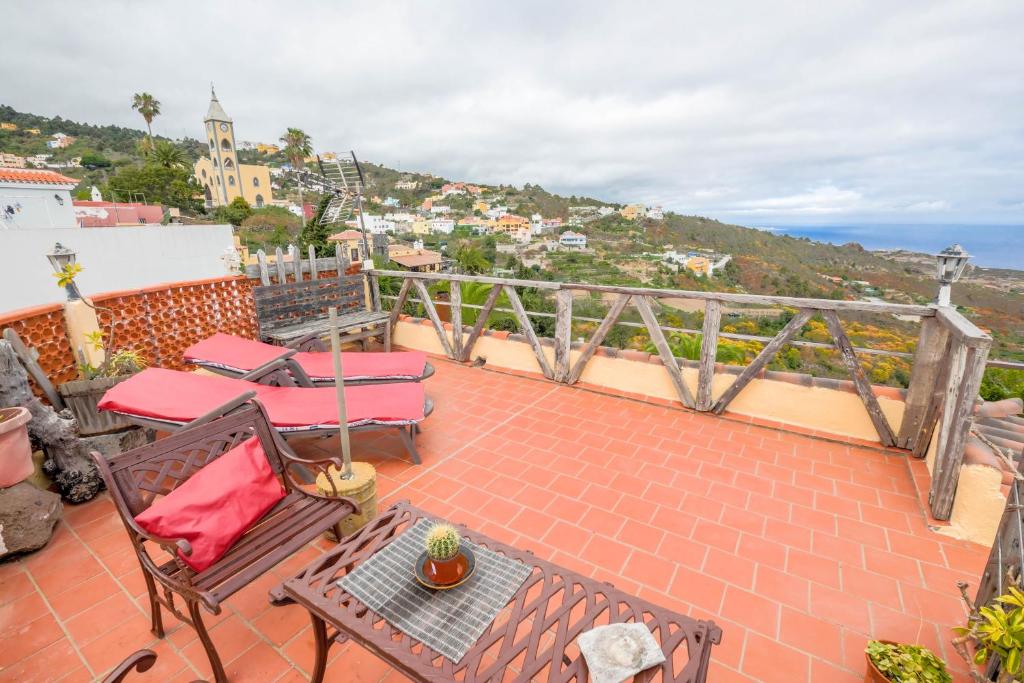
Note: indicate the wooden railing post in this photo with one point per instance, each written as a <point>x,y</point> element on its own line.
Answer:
<point>312,263</point>
<point>966,370</point>
<point>708,352</point>
<point>279,266</point>
<point>455,306</point>
<point>921,411</point>
<point>563,333</point>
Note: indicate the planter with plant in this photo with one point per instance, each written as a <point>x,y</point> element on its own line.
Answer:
<point>899,663</point>
<point>995,635</point>
<point>15,448</point>
<point>445,564</point>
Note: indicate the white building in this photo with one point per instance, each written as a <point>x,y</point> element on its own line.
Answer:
<point>400,217</point>
<point>497,212</point>
<point>656,213</point>
<point>445,225</point>
<point>11,160</point>
<point>33,200</point>
<point>440,209</point>
<point>605,211</point>
<point>376,225</point>
<point>572,240</point>
<point>406,185</point>
<point>60,141</point>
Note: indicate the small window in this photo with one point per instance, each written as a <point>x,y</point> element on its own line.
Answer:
<point>231,180</point>
<point>255,182</point>
<point>203,172</point>
<point>228,163</point>
<point>218,180</point>
<point>215,163</point>
<point>60,200</point>
<point>225,145</point>
<point>213,145</point>
<point>259,201</point>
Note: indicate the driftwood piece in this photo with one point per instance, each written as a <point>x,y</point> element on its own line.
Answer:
<point>563,333</point>
<point>435,319</point>
<point>28,360</point>
<point>599,334</point>
<point>261,260</point>
<point>860,379</point>
<point>527,329</point>
<point>68,464</point>
<point>708,352</point>
<point>643,305</point>
<point>791,329</point>
<point>481,321</point>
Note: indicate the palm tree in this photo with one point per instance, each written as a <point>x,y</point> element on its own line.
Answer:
<point>167,154</point>
<point>471,260</point>
<point>149,107</point>
<point>297,146</point>
<point>688,346</point>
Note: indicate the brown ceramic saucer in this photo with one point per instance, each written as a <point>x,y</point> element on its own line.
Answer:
<point>421,576</point>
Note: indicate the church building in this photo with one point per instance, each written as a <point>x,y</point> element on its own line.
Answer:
<point>220,174</point>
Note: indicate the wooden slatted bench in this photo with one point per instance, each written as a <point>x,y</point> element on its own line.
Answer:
<point>294,314</point>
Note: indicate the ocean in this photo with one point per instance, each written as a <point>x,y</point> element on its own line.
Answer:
<point>992,246</point>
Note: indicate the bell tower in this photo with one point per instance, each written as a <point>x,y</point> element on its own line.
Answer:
<point>220,133</point>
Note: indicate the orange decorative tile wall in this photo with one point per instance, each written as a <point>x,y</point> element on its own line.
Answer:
<point>42,328</point>
<point>161,322</point>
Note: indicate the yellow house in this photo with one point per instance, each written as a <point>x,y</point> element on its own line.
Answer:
<point>481,206</point>
<point>33,131</point>
<point>220,174</point>
<point>699,265</point>
<point>267,149</point>
<point>421,226</point>
<point>632,211</point>
<point>351,243</point>
<point>8,126</point>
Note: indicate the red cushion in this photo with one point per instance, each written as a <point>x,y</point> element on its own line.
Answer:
<point>180,397</point>
<point>240,354</point>
<point>215,506</point>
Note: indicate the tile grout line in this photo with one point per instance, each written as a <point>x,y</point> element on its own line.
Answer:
<point>60,623</point>
<point>458,450</point>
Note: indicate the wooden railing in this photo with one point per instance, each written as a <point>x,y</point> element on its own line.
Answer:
<point>947,365</point>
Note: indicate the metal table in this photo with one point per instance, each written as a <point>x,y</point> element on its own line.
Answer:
<point>532,639</point>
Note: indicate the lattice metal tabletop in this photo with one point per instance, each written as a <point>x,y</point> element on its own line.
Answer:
<point>532,639</point>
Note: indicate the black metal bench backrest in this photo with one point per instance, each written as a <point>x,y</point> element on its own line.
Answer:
<point>143,474</point>
<point>290,303</point>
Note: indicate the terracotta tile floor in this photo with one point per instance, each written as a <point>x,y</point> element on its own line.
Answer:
<point>800,548</point>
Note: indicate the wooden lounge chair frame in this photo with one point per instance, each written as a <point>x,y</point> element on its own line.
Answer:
<point>135,478</point>
<point>277,374</point>
<point>299,375</point>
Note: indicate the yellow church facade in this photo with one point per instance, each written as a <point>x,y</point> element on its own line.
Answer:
<point>220,175</point>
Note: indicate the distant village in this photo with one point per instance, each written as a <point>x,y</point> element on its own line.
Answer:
<point>395,233</point>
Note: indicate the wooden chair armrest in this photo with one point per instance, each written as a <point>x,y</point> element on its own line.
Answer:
<point>267,369</point>
<point>221,410</point>
<point>140,660</point>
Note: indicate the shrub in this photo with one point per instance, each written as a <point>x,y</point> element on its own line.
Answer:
<point>907,663</point>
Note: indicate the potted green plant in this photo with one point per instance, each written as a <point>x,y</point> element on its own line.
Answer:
<point>15,449</point>
<point>83,395</point>
<point>996,635</point>
<point>445,564</point>
<point>900,663</point>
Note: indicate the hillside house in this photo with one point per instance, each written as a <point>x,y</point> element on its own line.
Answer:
<point>632,212</point>
<point>415,259</point>
<point>11,160</point>
<point>32,200</point>
<point>351,243</point>
<point>572,240</point>
<point>60,141</point>
<point>442,225</point>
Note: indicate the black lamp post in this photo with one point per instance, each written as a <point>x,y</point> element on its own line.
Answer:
<point>951,262</point>
<point>59,258</point>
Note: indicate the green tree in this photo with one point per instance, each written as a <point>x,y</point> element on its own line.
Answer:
<point>235,212</point>
<point>297,146</point>
<point>313,233</point>
<point>167,154</point>
<point>471,260</point>
<point>157,185</point>
<point>148,107</point>
<point>93,160</point>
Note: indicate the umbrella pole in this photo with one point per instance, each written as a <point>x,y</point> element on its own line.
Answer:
<point>339,387</point>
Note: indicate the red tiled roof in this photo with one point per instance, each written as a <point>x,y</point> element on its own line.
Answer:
<point>17,175</point>
<point>345,235</point>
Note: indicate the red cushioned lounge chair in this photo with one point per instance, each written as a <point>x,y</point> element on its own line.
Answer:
<point>233,356</point>
<point>168,399</point>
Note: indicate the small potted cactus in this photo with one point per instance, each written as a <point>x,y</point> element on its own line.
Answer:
<point>445,563</point>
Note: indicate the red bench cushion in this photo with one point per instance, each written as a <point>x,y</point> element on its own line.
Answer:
<point>215,506</point>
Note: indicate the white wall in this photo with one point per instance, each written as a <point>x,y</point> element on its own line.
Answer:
<point>111,258</point>
<point>36,206</point>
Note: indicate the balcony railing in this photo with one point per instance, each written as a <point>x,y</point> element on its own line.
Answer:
<point>948,362</point>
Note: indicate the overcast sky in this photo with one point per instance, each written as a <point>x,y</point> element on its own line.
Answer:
<point>752,112</point>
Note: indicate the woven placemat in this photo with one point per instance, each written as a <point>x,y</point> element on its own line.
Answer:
<point>448,621</point>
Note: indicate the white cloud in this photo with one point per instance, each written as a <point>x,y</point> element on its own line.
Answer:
<point>785,111</point>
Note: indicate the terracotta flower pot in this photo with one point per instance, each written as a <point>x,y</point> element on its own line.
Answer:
<point>15,449</point>
<point>872,674</point>
<point>444,572</point>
